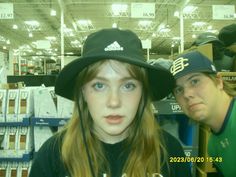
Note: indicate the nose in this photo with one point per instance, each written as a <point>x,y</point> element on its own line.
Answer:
<point>114,99</point>
<point>188,92</point>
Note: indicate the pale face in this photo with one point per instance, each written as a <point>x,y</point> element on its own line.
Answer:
<point>112,97</point>
<point>198,96</point>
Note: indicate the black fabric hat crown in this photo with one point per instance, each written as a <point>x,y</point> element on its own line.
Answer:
<point>116,44</point>
<point>228,34</point>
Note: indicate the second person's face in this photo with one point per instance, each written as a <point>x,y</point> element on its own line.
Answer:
<point>113,98</point>
<point>197,95</point>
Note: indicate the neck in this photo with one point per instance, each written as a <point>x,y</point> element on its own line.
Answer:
<point>221,110</point>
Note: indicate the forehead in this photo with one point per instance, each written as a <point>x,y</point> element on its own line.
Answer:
<point>187,77</point>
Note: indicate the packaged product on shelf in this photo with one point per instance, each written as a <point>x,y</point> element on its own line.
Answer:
<point>2,140</point>
<point>13,169</point>
<point>23,169</point>
<point>45,102</point>
<point>41,134</point>
<point>25,103</point>
<point>64,107</point>
<point>3,96</point>
<point>12,105</point>
<point>24,141</point>
<point>11,143</point>
<point>3,169</point>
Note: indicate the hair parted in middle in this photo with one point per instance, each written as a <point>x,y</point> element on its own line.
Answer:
<point>144,138</point>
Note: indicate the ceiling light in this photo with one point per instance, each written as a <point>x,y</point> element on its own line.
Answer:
<point>194,36</point>
<point>4,47</point>
<point>189,9</point>
<point>30,35</point>
<point>32,23</point>
<point>176,14</point>
<point>114,25</point>
<point>14,27</point>
<point>53,12</point>
<point>8,41</point>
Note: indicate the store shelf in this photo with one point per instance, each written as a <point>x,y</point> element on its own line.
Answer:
<point>25,122</point>
<point>23,158</point>
<point>49,121</point>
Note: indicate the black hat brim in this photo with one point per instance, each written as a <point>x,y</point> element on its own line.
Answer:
<point>160,79</point>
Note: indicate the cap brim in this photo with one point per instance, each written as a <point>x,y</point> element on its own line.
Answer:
<point>161,80</point>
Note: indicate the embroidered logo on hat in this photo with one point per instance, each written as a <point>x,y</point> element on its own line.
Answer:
<point>115,46</point>
<point>178,65</point>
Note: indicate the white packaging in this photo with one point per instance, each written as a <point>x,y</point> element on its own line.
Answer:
<point>64,107</point>
<point>3,97</point>
<point>44,102</point>
<point>24,141</point>
<point>26,107</point>
<point>12,105</point>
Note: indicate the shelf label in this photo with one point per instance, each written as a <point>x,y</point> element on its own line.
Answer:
<point>142,10</point>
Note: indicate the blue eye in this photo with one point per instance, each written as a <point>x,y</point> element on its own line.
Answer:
<point>194,81</point>
<point>129,86</point>
<point>98,86</point>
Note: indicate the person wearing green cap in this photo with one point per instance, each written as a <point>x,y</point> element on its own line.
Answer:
<point>113,131</point>
<point>206,98</point>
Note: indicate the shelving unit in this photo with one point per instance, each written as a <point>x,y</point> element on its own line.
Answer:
<point>171,117</point>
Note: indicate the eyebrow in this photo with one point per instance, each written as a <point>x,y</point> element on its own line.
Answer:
<point>192,76</point>
<point>122,79</point>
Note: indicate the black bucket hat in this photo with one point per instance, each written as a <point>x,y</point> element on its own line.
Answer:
<point>116,44</point>
<point>228,34</point>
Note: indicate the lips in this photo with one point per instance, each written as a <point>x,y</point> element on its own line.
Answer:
<point>114,119</point>
<point>193,106</point>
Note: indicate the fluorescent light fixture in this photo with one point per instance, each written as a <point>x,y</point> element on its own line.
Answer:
<point>118,9</point>
<point>8,41</point>
<point>51,38</point>
<point>30,35</point>
<point>84,22</point>
<point>4,47</point>
<point>32,23</point>
<point>189,9</point>
<point>199,24</point>
<point>145,23</point>
<point>165,30</point>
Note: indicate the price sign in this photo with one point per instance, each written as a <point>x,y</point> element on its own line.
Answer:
<point>6,11</point>
<point>142,10</point>
<point>223,12</point>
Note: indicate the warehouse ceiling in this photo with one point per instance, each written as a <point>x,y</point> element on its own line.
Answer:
<point>33,31</point>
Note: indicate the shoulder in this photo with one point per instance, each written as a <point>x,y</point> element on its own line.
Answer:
<point>173,145</point>
<point>48,159</point>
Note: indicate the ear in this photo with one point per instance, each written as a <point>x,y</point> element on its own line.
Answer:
<point>220,83</point>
